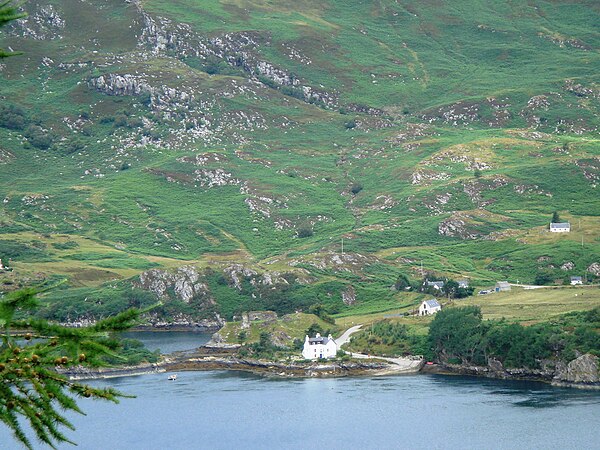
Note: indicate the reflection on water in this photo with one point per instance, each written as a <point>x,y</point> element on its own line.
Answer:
<point>169,341</point>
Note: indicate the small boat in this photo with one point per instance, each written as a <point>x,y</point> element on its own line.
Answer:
<point>172,377</point>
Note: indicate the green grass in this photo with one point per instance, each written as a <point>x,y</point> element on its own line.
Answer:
<point>114,181</point>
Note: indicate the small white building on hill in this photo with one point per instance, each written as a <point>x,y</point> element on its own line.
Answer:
<point>429,307</point>
<point>560,227</point>
<point>502,286</point>
<point>576,280</point>
<point>437,285</point>
<point>319,347</point>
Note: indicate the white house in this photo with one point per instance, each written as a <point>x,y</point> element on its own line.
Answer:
<point>319,347</point>
<point>576,280</point>
<point>429,307</point>
<point>463,284</point>
<point>502,286</point>
<point>560,227</point>
<point>437,285</point>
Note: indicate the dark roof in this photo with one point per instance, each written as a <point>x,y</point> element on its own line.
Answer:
<point>433,303</point>
<point>319,340</point>
<point>576,278</point>
<point>560,225</point>
<point>435,283</point>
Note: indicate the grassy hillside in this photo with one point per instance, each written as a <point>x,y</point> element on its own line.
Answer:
<point>425,136</point>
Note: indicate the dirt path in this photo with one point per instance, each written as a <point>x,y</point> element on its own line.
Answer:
<point>410,364</point>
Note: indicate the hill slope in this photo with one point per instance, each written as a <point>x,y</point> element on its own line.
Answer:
<point>436,135</point>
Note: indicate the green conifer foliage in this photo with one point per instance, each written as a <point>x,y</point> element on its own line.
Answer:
<point>9,11</point>
<point>34,352</point>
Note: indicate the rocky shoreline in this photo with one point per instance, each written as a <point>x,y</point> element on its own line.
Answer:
<point>207,358</point>
<point>581,373</point>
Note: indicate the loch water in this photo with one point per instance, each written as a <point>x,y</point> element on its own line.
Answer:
<point>230,410</point>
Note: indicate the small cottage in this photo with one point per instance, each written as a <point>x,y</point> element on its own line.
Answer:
<point>437,285</point>
<point>319,347</point>
<point>576,280</point>
<point>560,227</point>
<point>502,286</point>
<point>463,284</point>
<point>429,307</point>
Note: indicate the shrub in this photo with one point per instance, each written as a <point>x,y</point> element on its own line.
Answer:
<point>12,117</point>
<point>38,137</point>
<point>356,188</point>
<point>305,231</point>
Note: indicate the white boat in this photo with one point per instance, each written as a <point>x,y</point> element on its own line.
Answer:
<point>172,377</point>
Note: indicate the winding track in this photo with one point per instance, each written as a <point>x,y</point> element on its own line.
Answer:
<point>404,364</point>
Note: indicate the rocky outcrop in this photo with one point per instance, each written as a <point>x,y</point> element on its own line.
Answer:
<point>42,24</point>
<point>456,226</point>
<point>237,49</point>
<point>349,296</point>
<point>569,265</point>
<point>184,322</point>
<point>256,316</point>
<point>582,370</point>
<point>115,84</point>
<point>594,268</point>
<point>475,188</point>
<point>185,283</point>
<point>5,156</point>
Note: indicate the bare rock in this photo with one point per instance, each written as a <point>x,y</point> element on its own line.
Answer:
<point>569,265</point>
<point>581,370</point>
<point>594,269</point>
<point>349,296</point>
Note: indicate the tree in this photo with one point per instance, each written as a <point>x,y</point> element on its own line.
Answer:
<point>32,354</point>
<point>9,11</point>
<point>555,217</point>
<point>456,334</point>
<point>402,282</point>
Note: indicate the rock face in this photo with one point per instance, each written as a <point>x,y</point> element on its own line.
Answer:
<point>236,49</point>
<point>349,296</point>
<point>594,268</point>
<point>260,316</point>
<point>42,23</point>
<point>115,84</point>
<point>184,283</point>
<point>569,265</point>
<point>583,370</point>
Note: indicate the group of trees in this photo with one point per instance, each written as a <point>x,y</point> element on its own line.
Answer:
<point>451,288</point>
<point>459,335</point>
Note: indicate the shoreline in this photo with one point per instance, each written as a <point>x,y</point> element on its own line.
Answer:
<point>206,358</point>
<point>299,369</point>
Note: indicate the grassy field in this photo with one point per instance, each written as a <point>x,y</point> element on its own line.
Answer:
<point>477,118</point>
<point>535,305</point>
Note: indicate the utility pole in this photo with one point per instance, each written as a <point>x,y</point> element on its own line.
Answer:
<point>342,245</point>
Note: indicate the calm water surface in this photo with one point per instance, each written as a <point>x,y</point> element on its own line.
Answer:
<point>225,410</point>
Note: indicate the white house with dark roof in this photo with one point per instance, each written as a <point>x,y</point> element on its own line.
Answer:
<point>560,227</point>
<point>319,347</point>
<point>429,307</point>
<point>437,285</point>
<point>576,280</point>
<point>463,283</point>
